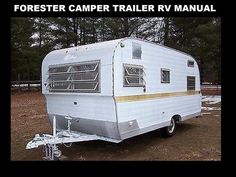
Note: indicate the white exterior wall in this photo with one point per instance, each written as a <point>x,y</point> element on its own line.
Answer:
<point>99,106</point>
<point>88,107</point>
<point>154,111</point>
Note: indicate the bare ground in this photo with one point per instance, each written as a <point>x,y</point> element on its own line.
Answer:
<point>195,139</point>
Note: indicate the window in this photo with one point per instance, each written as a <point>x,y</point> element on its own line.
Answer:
<point>133,75</point>
<point>137,51</point>
<point>190,63</point>
<point>190,82</point>
<point>165,75</point>
<point>80,77</point>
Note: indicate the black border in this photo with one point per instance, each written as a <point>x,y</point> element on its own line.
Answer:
<point>185,168</point>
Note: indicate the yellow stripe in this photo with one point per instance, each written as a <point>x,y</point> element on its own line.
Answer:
<point>153,96</point>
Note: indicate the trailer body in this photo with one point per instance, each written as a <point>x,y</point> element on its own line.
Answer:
<point>120,88</point>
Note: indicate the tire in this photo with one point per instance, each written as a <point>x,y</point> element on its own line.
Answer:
<point>169,130</point>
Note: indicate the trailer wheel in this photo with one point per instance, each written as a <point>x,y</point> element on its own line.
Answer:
<point>169,130</point>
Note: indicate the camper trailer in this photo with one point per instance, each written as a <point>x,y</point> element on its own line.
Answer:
<point>116,90</point>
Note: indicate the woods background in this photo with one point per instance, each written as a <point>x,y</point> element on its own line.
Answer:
<point>33,38</point>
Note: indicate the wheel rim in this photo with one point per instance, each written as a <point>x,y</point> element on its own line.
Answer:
<point>172,126</point>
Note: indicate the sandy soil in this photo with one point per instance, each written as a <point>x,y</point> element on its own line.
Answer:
<point>195,139</point>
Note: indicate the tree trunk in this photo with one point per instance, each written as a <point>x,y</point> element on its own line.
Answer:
<point>83,31</point>
<point>166,30</point>
<point>126,27</point>
<point>93,31</point>
<point>75,30</point>
<point>67,31</point>
<point>40,33</point>
<point>201,70</point>
<point>103,30</point>
<point>28,68</point>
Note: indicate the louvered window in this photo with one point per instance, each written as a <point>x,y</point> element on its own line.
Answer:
<point>74,77</point>
<point>133,75</point>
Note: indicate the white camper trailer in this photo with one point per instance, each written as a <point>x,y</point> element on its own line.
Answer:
<point>115,90</point>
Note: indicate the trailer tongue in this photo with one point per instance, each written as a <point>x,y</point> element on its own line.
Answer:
<point>50,142</point>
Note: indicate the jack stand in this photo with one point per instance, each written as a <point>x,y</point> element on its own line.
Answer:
<point>51,150</point>
<point>68,123</point>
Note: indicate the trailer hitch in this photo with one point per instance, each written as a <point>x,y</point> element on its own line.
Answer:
<point>50,142</point>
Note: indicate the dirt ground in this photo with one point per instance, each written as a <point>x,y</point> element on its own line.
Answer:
<point>195,139</point>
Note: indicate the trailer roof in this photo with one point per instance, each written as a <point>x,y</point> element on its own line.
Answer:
<point>144,40</point>
<point>111,43</point>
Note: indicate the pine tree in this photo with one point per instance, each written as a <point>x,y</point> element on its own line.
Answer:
<point>199,37</point>
<point>33,38</point>
<point>21,51</point>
